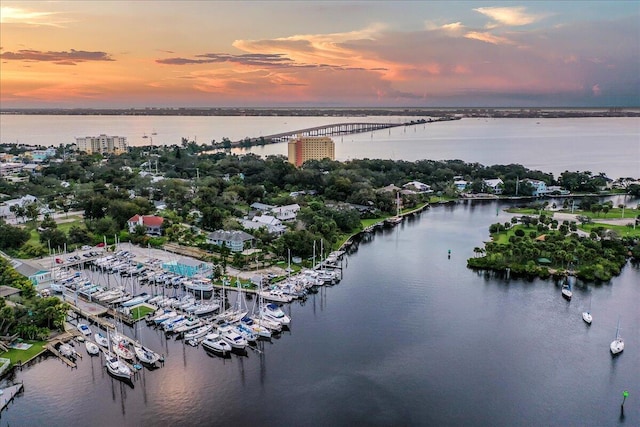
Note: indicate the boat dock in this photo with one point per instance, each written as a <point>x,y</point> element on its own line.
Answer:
<point>51,347</point>
<point>8,393</point>
<point>91,311</point>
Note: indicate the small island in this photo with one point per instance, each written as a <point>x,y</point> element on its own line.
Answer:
<point>557,243</point>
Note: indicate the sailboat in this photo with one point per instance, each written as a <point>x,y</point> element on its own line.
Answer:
<point>617,345</point>
<point>115,366</point>
<point>586,315</point>
<point>398,218</point>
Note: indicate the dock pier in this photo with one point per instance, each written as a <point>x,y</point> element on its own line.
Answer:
<point>8,393</point>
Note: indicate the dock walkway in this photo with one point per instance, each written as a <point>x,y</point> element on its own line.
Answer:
<point>8,393</point>
<point>51,347</point>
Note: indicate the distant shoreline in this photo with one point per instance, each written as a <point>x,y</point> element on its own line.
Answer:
<point>527,112</point>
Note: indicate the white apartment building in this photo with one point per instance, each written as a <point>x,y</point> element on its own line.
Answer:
<point>102,144</point>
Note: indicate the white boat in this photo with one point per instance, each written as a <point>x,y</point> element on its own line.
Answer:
<point>92,348</point>
<point>145,355</point>
<point>164,317</point>
<point>101,340</point>
<point>116,367</point>
<point>57,287</point>
<point>246,332</point>
<point>272,325</point>
<point>198,333</point>
<point>586,315</point>
<point>123,351</point>
<point>274,312</point>
<point>189,324</point>
<point>275,295</point>
<point>230,335</point>
<point>138,299</point>
<point>206,309</point>
<point>256,327</point>
<point>84,328</point>
<point>156,299</point>
<point>173,323</point>
<point>566,290</point>
<point>214,343</point>
<point>397,219</point>
<point>117,338</point>
<point>67,351</point>
<point>617,345</point>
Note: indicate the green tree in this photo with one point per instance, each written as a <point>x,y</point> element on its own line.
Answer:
<point>32,211</point>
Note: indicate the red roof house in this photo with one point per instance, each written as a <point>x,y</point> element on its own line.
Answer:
<point>152,223</point>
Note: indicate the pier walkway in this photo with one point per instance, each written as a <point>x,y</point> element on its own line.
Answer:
<point>8,393</point>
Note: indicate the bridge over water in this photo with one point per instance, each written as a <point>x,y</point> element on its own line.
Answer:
<point>325,130</point>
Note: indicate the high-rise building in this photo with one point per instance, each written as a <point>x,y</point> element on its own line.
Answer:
<point>102,144</point>
<point>305,148</point>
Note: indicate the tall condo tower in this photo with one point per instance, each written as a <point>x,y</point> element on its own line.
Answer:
<point>305,148</point>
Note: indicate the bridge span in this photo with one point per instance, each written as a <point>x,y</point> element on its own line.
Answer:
<point>324,130</point>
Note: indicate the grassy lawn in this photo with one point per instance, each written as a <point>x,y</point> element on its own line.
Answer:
<point>66,226</point>
<point>436,199</point>
<point>622,230</point>
<point>23,355</point>
<point>502,238</point>
<point>370,221</point>
<point>528,211</point>
<point>615,213</point>
<point>139,312</point>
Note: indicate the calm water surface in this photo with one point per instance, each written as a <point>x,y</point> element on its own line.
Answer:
<point>409,337</point>
<point>609,145</point>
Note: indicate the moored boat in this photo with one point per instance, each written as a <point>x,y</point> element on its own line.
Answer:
<point>101,340</point>
<point>274,312</point>
<point>116,367</point>
<point>67,351</point>
<point>213,342</point>
<point>198,333</point>
<point>566,290</point>
<point>145,355</point>
<point>92,348</point>
<point>230,335</point>
<point>617,345</point>
<point>84,328</point>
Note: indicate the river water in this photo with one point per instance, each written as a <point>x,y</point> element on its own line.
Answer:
<point>609,145</point>
<point>408,337</point>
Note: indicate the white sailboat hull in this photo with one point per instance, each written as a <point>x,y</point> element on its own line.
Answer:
<point>617,346</point>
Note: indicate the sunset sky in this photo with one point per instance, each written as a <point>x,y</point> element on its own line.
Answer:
<point>319,53</point>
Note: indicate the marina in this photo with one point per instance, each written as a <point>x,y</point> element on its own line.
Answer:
<point>389,326</point>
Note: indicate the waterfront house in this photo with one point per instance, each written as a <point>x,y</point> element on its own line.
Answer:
<point>494,186</point>
<point>286,213</point>
<point>34,272</point>
<point>460,184</point>
<point>271,224</point>
<point>152,224</point>
<point>539,187</point>
<point>418,187</point>
<point>556,189</point>
<point>235,240</point>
